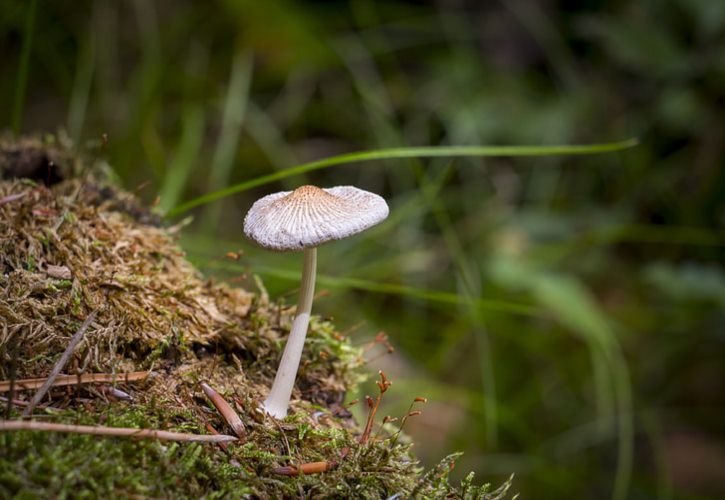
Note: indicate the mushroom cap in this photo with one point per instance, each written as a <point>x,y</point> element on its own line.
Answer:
<point>310,216</point>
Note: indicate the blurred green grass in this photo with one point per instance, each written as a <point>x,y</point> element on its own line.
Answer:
<point>563,314</point>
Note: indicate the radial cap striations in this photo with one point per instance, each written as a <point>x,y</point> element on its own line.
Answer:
<point>310,216</point>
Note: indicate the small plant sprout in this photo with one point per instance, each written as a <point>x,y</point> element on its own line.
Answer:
<point>410,413</point>
<point>383,385</point>
<point>298,220</point>
<point>380,339</point>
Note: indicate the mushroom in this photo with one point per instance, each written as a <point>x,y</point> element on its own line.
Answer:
<point>298,220</point>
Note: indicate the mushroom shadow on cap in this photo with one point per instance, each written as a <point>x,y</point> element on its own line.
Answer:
<point>310,216</point>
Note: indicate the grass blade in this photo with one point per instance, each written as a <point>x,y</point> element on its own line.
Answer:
<point>397,153</point>
<point>384,288</point>
<point>22,81</point>
<point>187,152</point>
<point>81,89</point>
<point>235,108</point>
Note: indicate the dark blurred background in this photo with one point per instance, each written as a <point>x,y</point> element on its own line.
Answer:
<point>565,316</point>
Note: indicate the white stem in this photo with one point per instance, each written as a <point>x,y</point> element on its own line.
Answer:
<point>278,400</point>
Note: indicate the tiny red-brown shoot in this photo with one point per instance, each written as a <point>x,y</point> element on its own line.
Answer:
<point>373,405</point>
<point>410,413</point>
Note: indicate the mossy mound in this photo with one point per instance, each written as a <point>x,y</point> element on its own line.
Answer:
<point>71,244</point>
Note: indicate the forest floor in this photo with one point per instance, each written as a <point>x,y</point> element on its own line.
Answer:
<point>73,247</point>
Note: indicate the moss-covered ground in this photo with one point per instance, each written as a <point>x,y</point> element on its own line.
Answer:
<point>70,244</point>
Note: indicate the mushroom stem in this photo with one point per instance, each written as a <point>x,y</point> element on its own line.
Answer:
<point>278,400</point>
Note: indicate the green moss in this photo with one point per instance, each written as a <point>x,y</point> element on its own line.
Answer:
<point>155,312</point>
<point>40,465</point>
<point>35,465</point>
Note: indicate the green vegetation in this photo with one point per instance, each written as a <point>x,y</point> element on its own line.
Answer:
<point>40,464</point>
<point>563,314</point>
<point>152,311</point>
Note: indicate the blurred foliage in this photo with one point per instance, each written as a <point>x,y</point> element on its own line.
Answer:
<point>612,385</point>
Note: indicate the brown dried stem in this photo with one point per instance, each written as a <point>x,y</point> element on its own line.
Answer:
<point>215,432</point>
<point>11,197</point>
<point>308,468</point>
<point>74,341</point>
<point>98,430</point>
<point>19,402</point>
<point>383,385</point>
<point>226,411</point>
<point>64,380</point>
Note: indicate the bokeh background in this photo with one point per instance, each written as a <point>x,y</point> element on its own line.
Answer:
<point>565,316</point>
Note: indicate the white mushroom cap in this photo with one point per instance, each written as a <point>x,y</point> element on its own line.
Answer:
<point>310,216</point>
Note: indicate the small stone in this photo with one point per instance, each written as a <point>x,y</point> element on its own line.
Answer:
<point>59,272</point>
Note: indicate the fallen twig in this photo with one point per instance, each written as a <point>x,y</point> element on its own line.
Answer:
<point>230,416</point>
<point>19,402</point>
<point>11,197</point>
<point>215,432</point>
<point>75,339</point>
<point>308,468</point>
<point>97,430</point>
<point>12,349</point>
<point>63,380</point>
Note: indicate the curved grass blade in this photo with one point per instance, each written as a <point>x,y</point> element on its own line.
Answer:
<point>387,288</point>
<point>397,153</point>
